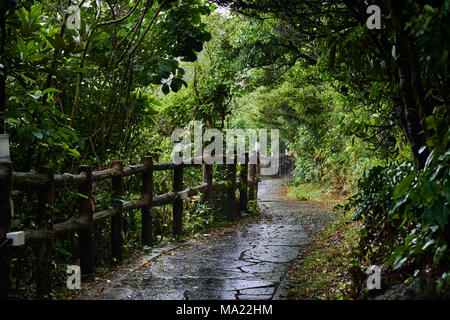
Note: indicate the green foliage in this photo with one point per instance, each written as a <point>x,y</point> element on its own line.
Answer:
<point>213,80</point>
<point>306,191</point>
<point>347,100</point>
<point>422,200</point>
<point>306,170</point>
<point>200,216</point>
<point>372,203</point>
<point>405,216</point>
<point>317,125</point>
<point>392,98</point>
<point>89,94</point>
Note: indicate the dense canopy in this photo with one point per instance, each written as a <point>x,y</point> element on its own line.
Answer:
<point>364,111</point>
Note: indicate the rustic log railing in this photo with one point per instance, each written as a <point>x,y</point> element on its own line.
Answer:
<point>47,181</point>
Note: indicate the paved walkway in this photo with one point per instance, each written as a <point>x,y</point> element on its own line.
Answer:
<point>248,261</point>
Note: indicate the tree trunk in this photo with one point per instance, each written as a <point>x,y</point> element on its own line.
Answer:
<point>413,105</point>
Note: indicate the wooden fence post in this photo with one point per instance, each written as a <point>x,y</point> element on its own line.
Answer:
<point>286,164</point>
<point>280,165</point>
<point>231,190</point>
<point>251,175</point>
<point>147,196</point>
<point>289,166</point>
<point>258,172</point>
<point>208,179</point>
<point>116,220</point>
<point>45,217</point>
<point>85,207</point>
<point>243,186</point>
<point>177,204</point>
<point>5,224</point>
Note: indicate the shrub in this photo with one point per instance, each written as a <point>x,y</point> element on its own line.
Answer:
<point>422,200</point>
<point>372,203</point>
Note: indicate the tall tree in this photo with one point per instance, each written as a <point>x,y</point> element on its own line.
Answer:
<point>410,51</point>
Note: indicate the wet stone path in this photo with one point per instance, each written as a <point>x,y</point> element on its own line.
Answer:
<point>248,261</point>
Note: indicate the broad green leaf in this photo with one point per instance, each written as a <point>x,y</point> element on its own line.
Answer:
<point>403,186</point>
<point>38,134</point>
<point>51,90</point>
<point>165,88</point>
<point>99,36</point>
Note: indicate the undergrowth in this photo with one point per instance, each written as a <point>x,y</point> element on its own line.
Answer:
<point>323,270</point>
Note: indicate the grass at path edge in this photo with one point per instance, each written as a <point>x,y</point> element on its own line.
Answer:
<point>321,271</point>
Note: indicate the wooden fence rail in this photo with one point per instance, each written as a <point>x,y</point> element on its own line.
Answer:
<point>46,181</point>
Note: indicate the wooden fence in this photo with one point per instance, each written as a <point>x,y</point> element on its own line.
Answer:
<point>46,181</point>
